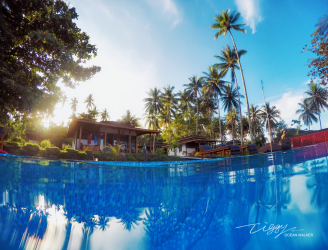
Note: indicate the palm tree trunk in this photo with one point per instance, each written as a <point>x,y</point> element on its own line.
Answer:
<point>197,114</point>
<point>242,77</point>
<point>155,129</point>
<point>217,98</point>
<point>240,114</point>
<point>169,126</point>
<point>233,136</point>
<point>320,121</point>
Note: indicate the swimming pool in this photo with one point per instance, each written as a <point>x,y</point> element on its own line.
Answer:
<point>266,201</point>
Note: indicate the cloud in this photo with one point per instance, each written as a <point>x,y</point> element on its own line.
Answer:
<point>250,11</point>
<point>169,9</point>
<point>288,104</point>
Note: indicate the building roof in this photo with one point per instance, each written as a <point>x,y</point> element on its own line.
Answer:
<point>89,125</point>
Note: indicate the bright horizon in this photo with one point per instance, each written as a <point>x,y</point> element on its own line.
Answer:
<point>147,44</point>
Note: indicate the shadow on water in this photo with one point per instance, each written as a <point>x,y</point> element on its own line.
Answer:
<point>192,206</point>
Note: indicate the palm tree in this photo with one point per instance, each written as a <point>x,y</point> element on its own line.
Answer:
<point>129,119</point>
<point>230,101</point>
<point>273,115</point>
<point>153,106</point>
<point>215,85</point>
<point>170,101</point>
<point>64,99</point>
<point>307,112</point>
<point>232,118</point>
<point>318,98</point>
<point>193,88</point>
<point>104,115</point>
<point>89,101</point>
<point>208,106</point>
<point>225,23</point>
<point>185,105</point>
<point>229,61</point>
<point>256,117</point>
<point>74,104</point>
<point>103,222</point>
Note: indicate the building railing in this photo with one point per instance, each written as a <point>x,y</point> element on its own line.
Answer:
<point>309,139</point>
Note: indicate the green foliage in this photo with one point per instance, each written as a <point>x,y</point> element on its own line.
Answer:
<point>54,49</point>
<point>82,156</point>
<point>31,149</point>
<point>115,151</point>
<point>159,151</point>
<point>42,153</point>
<point>18,140</point>
<point>57,135</point>
<point>12,147</point>
<point>140,158</point>
<point>45,143</point>
<point>72,154</point>
<point>90,116</point>
<point>164,158</point>
<point>53,152</point>
<point>63,154</point>
<point>129,119</point>
<point>130,157</point>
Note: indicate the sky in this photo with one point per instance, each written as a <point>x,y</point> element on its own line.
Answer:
<point>144,44</point>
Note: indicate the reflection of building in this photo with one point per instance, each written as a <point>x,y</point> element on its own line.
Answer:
<point>190,144</point>
<point>96,135</point>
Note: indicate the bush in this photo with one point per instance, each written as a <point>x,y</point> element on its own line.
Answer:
<point>45,144</point>
<point>89,155</point>
<point>130,157</point>
<point>82,156</point>
<point>42,153</point>
<point>53,152</point>
<point>164,158</point>
<point>31,149</point>
<point>63,154</point>
<point>140,158</point>
<point>18,139</point>
<point>153,158</point>
<point>159,151</point>
<point>22,151</point>
<point>72,154</point>
<point>12,147</point>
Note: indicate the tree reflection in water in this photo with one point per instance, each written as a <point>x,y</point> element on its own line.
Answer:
<point>196,206</point>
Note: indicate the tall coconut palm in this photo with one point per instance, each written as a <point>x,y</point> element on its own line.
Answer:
<point>193,88</point>
<point>229,62</point>
<point>256,117</point>
<point>170,102</point>
<point>214,84</point>
<point>232,118</point>
<point>273,115</point>
<point>230,101</point>
<point>226,22</point>
<point>185,105</point>
<point>307,112</point>
<point>74,104</point>
<point>318,98</point>
<point>64,99</point>
<point>129,119</point>
<point>208,107</point>
<point>90,102</point>
<point>104,115</point>
<point>153,106</point>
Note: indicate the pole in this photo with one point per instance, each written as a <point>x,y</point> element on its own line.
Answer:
<point>267,116</point>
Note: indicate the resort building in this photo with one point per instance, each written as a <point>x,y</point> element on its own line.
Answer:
<point>190,144</point>
<point>95,135</point>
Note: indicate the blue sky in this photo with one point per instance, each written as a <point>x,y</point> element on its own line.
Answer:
<point>144,44</point>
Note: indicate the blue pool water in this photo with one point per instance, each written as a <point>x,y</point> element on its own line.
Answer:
<point>268,201</point>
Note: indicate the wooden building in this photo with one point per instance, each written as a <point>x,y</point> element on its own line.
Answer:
<point>96,135</point>
<point>190,144</point>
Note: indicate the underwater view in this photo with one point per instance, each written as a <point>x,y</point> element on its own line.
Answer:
<point>265,201</point>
